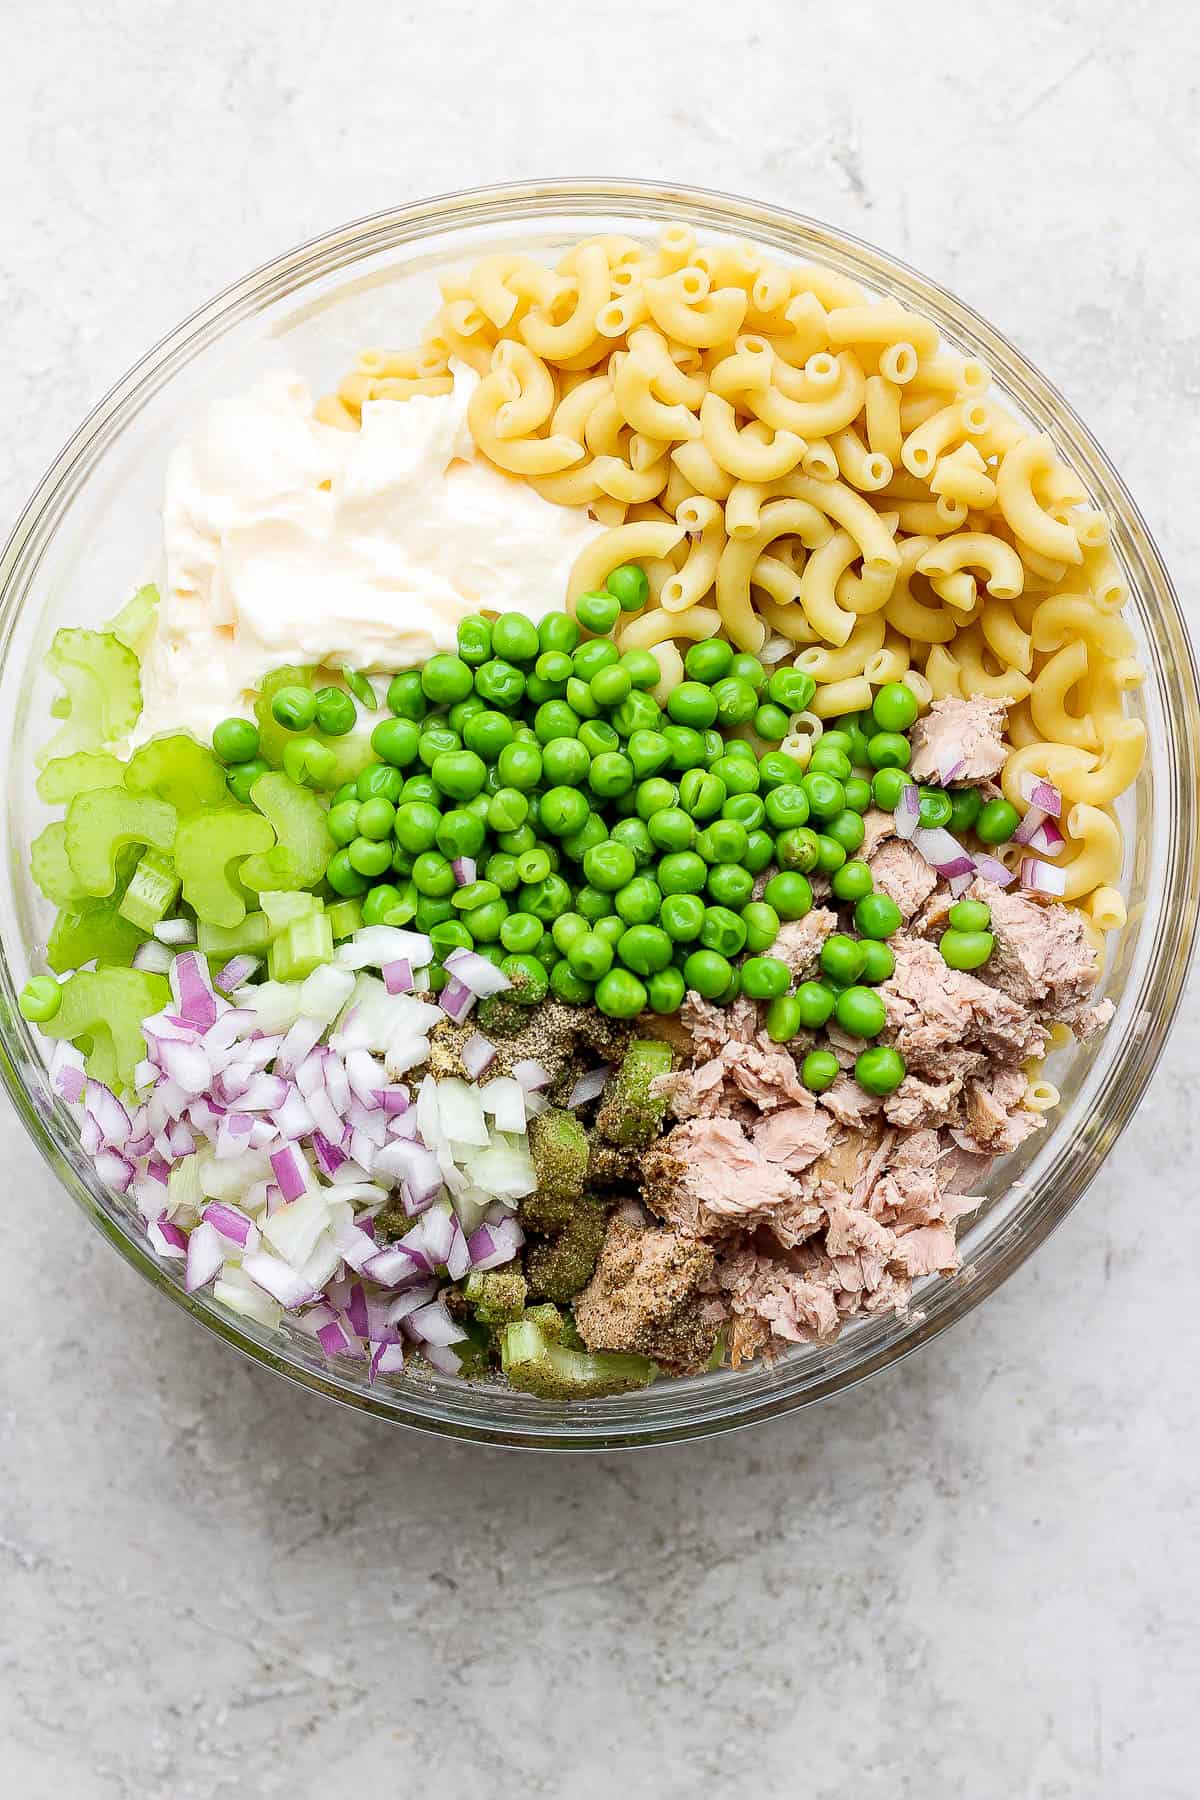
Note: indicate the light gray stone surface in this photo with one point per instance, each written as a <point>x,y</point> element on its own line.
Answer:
<point>979,1575</point>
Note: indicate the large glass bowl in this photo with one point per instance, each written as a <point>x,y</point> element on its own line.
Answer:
<point>89,532</point>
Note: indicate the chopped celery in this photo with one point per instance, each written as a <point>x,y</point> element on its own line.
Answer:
<point>104,691</point>
<point>152,892</point>
<point>251,936</point>
<point>102,1011</point>
<point>93,930</point>
<point>498,1295</point>
<point>630,1113</point>
<point>305,945</point>
<point>351,753</point>
<point>51,868</point>
<point>67,776</point>
<point>178,769</point>
<point>559,1147</point>
<point>101,823</point>
<point>551,1370</point>
<point>345,917</point>
<point>304,845</point>
<point>283,909</point>
<point>136,618</point>
<point>205,846</point>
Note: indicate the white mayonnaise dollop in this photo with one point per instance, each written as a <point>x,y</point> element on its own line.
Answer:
<point>288,541</point>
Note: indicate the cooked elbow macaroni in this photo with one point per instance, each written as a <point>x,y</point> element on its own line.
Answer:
<point>784,454</point>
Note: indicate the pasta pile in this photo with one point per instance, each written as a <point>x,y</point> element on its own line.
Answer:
<point>809,472</point>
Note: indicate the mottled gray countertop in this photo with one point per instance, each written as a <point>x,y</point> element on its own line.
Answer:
<point>977,1576</point>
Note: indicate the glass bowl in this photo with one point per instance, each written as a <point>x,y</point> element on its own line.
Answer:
<point>88,534</point>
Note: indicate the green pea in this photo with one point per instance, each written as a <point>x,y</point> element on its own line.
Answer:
<point>852,881</point>
<point>633,834</point>
<point>798,848</point>
<point>748,668</point>
<point>641,666</point>
<point>648,751</point>
<point>458,774</point>
<point>431,912</point>
<point>816,1002</point>
<point>461,833</point>
<point>433,876</point>
<point>294,707</point>
<point>739,773</point>
<point>895,707</point>
<point>842,957</point>
<point>402,861</point>
<point>530,980</point>
<point>235,741</point>
<point>578,843</point>
<point>880,963</point>
<point>934,808</point>
<point>666,990</point>
<point>609,866</point>
<point>737,701</point>
<point>342,821</point>
<point>610,686</point>
<point>819,1070</point>
<point>383,898</point>
<point>567,986</point>
<point>966,949</point>
<point>555,719</point>
<point>597,612</point>
<point>787,805</point>
<point>417,787</point>
<point>746,810</point>
<point>783,1019</point>
<point>997,821</point>
<point>611,928</point>
<point>515,638</point>
<point>858,794</point>
<point>765,977</point>
<point>553,666</point>
<point>708,661</point>
<point>396,741</point>
<point>639,901</point>
<point>630,587</point>
<point>343,877</point>
<point>970,915</point>
<point>691,703</point>
<point>760,850</point>
<point>887,787</point>
<point>860,1012</point>
<point>792,689</point>
<point>474,640</point>
<point>446,678</point>
<point>682,872</point>
<point>686,745</point>
<point>701,793</point>
<point>499,682</point>
<point>474,894</point>
<point>762,925</point>
<point>825,794</point>
<point>729,885</point>
<point>682,917</point>
<point>828,759</point>
<point>830,854</point>
<point>406,696</point>
<point>790,894</point>
<point>671,829</point>
<point>880,1070</point>
<point>558,631</point>
<point>888,750</point>
<point>620,995</point>
<point>775,767</point>
<point>41,996</point>
<point>639,712</point>
<point>485,923</point>
<point>592,903</point>
<point>533,865</point>
<point>877,916</point>
<point>847,829</point>
<point>724,841</point>
<point>309,763</point>
<point>965,807</point>
<point>336,712</point>
<point>375,818</point>
<point>611,773</point>
<point>416,825</point>
<point>655,795</point>
<point>771,723</point>
<point>436,740</point>
<point>707,973</point>
<point>519,765</point>
<point>644,948</point>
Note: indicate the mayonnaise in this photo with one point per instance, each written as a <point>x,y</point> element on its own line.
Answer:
<point>288,541</point>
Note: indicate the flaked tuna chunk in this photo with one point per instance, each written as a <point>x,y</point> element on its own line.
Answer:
<point>799,941</point>
<point>761,1074</point>
<point>859,1247</point>
<point>707,1179</point>
<point>917,1104</point>
<point>793,1307</point>
<point>712,1027</point>
<point>958,742</point>
<point>878,826</point>
<point>650,1294</point>
<point>1042,957</point>
<point>903,875</point>
<point>934,1011</point>
<point>794,1136</point>
<point>929,1250</point>
<point>996,1122</point>
<point>693,1093</point>
<point>765,1074</point>
<point>850,1104</point>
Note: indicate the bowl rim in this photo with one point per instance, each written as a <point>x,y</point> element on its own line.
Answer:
<point>594,1426</point>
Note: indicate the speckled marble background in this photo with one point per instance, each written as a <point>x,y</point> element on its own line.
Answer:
<point>979,1575</point>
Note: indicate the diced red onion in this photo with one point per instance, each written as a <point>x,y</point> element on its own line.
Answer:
<point>188,1067</point>
<point>144,1075</point>
<point>367,1077</point>
<point>278,1279</point>
<point>398,976</point>
<point>464,870</point>
<point>1028,825</point>
<point>532,1074</point>
<point>375,945</point>
<point>140,1146</point>
<point>477,1054</point>
<point>1048,840</point>
<point>264,1094</point>
<point>433,1324</point>
<point>205,1256</point>
<point>192,988</point>
<point>333,1340</point>
<point>942,852</point>
<point>112,1120</point>
<point>91,1141</point>
<point>67,1073</point>
<point>337,1083</point>
<point>990,868</point>
<point>476,972</point>
<point>395,1100</point>
<point>155,958</point>
<point>231,1223</point>
<point>442,1358</point>
<point>166,1236</point>
<point>236,972</point>
<point>293,1119</point>
<point>589,1086</point>
<point>114,1170</point>
<point>299,1042</point>
<point>458,1257</point>
<point>1042,878</point>
<point>907,815</point>
<point>175,931</point>
<point>356,1311</point>
<point>310,1073</point>
<point>329,1157</point>
<point>386,1359</point>
<point>504,1098</point>
<point>180,1138</point>
<point>456,999</point>
<point>326,1116</point>
<point>356,1246</point>
<point>411,1302</point>
<point>1040,793</point>
<point>959,884</point>
<point>493,1244</point>
<point>291,1172</point>
<point>414,1165</point>
<point>158,1170</point>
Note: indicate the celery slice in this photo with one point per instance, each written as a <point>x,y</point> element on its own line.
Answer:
<point>303,847</point>
<point>102,1010</point>
<point>151,893</point>
<point>93,930</point>
<point>305,944</point>
<point>178,769</point>
<point>51,868</point>
<point>537,1365</point>
<point>103,685</point>
<point>205,846</point>
<point>345,917</point>
<point>136,618</point>
<point>67,776</point>
<point>284,909</point>
<point>251,936</point>
<point>101,823</point>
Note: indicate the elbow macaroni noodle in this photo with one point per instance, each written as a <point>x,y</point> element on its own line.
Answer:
<point>785,454</point>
